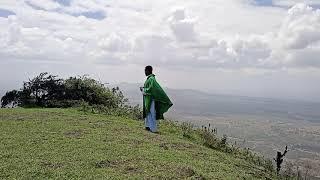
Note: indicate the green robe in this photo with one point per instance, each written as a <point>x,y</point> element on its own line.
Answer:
<point>152,90</point>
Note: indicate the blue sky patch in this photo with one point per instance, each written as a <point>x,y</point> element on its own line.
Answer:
<point>270,3</point>
<point>99,15</point>
<point>263,2</point>
<point>266,3</point>
<point>316,6</point>
<point>64,2</point>
<point>5,13</point>
<point>93,14</point>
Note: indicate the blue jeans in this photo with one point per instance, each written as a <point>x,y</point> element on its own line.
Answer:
<point>150,120</point>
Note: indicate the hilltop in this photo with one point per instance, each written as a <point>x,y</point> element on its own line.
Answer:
<point>69,144</point>
<point>264,125</point>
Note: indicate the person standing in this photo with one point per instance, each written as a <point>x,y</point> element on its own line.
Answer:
<point>155,101</point>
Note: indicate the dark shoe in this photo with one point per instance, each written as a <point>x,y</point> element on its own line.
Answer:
<point>148,129</point>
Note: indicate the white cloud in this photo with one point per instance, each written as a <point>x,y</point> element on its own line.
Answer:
<point>43,4</point>
<point>293,2</point>
<point>299,37</point>
<point>301,27</point>
<point>230,45</point>
<point>115,43</point>
<point>182,26</point>
<point>206,34</point>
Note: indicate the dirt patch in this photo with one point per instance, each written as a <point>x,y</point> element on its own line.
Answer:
<point>45,115</point>
<point>135,143</point>
<point>164,146</point>
<point>125,165</point>
<point>122,129</point>
<point>200,178</point>
<point>132,169</point>
<point>179,146</point>
<point>105,164</point>
<point>51,165</point>
<point>185,172</point>
<point>98,124</point>
<point>198,154</point>
<point>20,119</point>
<point>74,134</point>
<point>83,118</point>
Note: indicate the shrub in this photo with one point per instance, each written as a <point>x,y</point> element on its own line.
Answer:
<point>49,91</point>
<point>187,129</point>
<point>210,139</point>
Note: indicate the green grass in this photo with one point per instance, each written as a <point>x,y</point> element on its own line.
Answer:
<point>68,144</point>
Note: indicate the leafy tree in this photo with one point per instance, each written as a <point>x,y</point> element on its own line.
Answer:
<point>10,98</point>
<point>93,92</point>
<point>41,89</point>
<point>47,90</point>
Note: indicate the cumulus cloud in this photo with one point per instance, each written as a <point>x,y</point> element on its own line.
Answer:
<point>115,43</point>
<point>182,26</point>
<point>154,33</point>
<point>299,37</point>
<point>36,43</point>
<point>301,27</point>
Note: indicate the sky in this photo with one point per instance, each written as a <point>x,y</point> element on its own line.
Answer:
<point>264,48</point>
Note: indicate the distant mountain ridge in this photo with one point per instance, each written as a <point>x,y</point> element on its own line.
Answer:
<point>197,103</point>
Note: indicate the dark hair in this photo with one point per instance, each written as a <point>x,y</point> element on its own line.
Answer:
<point>149,68</point>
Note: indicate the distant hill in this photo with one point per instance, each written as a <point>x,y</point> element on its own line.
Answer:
<point>197,103</point>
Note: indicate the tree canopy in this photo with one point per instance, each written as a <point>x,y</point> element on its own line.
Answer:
<point>47,90</point>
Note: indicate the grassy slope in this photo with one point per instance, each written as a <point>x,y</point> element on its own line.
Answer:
<point>65,144</point>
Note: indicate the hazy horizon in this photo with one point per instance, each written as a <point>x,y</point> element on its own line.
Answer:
<point>286,98</point>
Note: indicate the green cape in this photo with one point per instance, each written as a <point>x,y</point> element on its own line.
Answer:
<point>152,90</point>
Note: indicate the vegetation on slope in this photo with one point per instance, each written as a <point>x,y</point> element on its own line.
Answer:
<point>69,144</point>
<point>49,91</point>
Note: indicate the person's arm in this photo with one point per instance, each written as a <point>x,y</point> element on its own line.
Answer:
<point>141,90</point>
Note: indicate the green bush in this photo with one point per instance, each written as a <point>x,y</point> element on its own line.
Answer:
<point>210,139</point>
<point>187,129</point>
<point>90,95</point>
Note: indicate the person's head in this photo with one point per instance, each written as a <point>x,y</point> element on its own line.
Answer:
<point>148,70</point>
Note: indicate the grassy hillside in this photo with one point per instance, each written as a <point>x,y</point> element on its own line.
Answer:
<point>68,144</point>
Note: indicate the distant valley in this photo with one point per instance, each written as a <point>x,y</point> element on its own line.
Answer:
<point>262,124</point>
